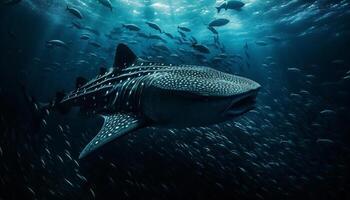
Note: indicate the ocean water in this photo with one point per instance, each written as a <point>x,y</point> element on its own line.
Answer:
<point>293,145</point>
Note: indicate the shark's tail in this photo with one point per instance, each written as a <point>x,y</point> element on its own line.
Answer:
<point>41,111</point>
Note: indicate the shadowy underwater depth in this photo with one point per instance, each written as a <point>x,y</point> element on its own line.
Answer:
<point>175,99</point>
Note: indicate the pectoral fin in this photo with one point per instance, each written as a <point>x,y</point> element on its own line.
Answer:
<point>114,126</point>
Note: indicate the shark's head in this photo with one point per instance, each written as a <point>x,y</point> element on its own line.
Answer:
<point>195,96</point>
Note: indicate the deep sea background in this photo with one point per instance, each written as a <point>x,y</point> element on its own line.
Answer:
<point>293,145</point>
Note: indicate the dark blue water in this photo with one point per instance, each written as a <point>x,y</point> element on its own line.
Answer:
<point>293,145</point>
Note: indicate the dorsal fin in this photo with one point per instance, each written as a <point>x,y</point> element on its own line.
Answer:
<point>80,81</point>
<point>124,57</point>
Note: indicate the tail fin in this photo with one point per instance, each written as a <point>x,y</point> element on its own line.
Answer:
<point>219,9</point>
<point>39,111</point>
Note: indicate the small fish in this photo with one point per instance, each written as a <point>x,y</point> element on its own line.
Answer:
<point>160,46</point>
<point>43,123</point>
<point>174,55</point>
<point>60,128</point>
<point>31,190</point>
<point>261,43</point>
<point>92,193</point>
<point>327,112</point>
<point>81,176</point>
<point>131,27</point>
<point>82,62</point>
<point>154,26</point>
<point>294,69</point>
<point>182,28</point>
<point>219,22</point>
<point>95,44</point>
<point>169,35</point>
<point>85,37</point>
<point>201,48</point>
<point>324,141</point>
<point>74,11</point>
<point>304,92</point>
<point>60,158</point>
<point>213,30</point>
<point>57,43</point>
<point>106,3</point>
<point>288,142</point>
<point>70,183</point>
<point>233,5</point>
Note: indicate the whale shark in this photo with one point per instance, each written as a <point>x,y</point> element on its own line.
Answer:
<point>136,93</point>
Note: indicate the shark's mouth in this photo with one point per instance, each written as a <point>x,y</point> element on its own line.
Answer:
<point>242,104</point>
